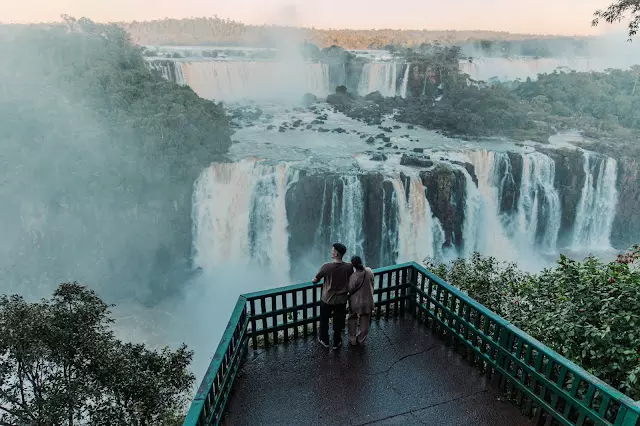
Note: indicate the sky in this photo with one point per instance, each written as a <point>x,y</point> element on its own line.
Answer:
<point>567,17</point>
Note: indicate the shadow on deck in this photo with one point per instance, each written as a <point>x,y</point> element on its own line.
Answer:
<point>405,375</point>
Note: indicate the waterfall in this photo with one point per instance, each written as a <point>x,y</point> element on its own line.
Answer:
<point>379,76</point>
<point>493,170</point>
<point>420,234</point>
<point>405,81</point>
<point>389,233</point>
<point>236,80</point>
<point>343,216</point>
<point>170,70</point>
<point>539,212</point>
<point>239,215</point>
<point>597,208</point>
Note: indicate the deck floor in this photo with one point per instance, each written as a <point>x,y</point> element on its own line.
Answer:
<point>403,376</point>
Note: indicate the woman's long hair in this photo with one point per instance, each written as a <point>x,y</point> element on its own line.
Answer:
<point>356,261</point>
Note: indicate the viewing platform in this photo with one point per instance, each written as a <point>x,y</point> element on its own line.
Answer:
<point>434,356</point>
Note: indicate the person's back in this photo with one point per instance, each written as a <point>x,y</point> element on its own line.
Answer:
<point>361,301</point>
<point>336,282</point>
<point>334,295</point>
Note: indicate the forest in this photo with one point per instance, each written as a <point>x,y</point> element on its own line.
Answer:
<point>226,32</point>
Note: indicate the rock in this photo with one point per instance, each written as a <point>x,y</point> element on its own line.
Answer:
<point>341,90</point>
<point>420,150</point>
<point>374,97</point>
<point>378,157</point>
<point>270,127</point>
<point>339,130</point>
<point>309,126</point>
<point>395,147</point>
<point>323,130</point>
<point>388,145</point>
<point>626,224</point>
<point>316,122</point>
<point>282,129</point>
<point>410,127</point>
<point>362,136</point>
<point>386,129</point>
<point>414,161</point>
<point>297,123</point>
<point>380,148</point>
<point>386,139</point>
<point>396,127</point>
<point>380,136</point>
<point>371,140</point>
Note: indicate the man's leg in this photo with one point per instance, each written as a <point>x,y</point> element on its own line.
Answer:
<point>339,314</point>
<point>352,326</point>
<point>325,312</point>
<point>365,320</point>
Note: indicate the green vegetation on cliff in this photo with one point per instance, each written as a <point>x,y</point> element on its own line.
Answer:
<point>587,311</point>
<point>99,156</point>
<point>62,365</point>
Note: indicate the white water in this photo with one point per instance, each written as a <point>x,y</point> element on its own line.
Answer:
<point>539,212</point>
<point>239,215</point>
<point>256,80</point>
<point>383,77</point>
<point>507,69</point>
<point>597,208</point>
<point>420,234</point>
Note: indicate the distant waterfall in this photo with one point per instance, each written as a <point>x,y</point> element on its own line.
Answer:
<point>597,208</point>
<point>539,212</point>
<point>237,80</point>
<point>239,215</point>
<point>170,70</point>
<point>383,77</point>
<point>420,234</point>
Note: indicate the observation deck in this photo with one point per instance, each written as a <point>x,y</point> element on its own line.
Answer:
<point>434,356</point>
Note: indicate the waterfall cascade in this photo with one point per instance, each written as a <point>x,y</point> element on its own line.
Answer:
<point>239,215</point>
<point>419,233</point>
<point>383,77</point>
<point>596,211</point>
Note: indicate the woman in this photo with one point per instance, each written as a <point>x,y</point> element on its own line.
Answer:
<point>360,301</point>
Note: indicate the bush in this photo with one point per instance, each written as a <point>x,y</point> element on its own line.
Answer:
<point>587,311</point>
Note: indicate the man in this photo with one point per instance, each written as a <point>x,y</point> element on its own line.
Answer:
<point>334,295</point>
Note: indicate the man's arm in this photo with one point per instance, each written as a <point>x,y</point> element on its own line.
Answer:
<point>319,275</point>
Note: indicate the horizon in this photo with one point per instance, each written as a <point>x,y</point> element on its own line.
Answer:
<point>571,18</point>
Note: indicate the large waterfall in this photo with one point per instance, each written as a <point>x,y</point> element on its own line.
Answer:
<point>243,212</point>
<point>239,215</point>
<point>257,80</point>
<point>388,78</point>
<point>596,210</point>
<point>419,234</point>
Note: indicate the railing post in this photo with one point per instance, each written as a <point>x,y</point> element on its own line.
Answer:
<point>412,282</point>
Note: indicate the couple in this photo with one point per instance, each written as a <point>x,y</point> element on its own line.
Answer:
<point>344,282</point>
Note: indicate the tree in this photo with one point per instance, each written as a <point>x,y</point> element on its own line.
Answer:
<point>60,364</point>
<point>618,11</point>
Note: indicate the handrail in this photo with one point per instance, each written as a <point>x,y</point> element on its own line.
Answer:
<point>503,339</point>
<point>197,409</point>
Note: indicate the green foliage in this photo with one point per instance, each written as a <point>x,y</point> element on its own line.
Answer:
<point>587,311</point>
<point>60,364</point>
<point>618,11</point>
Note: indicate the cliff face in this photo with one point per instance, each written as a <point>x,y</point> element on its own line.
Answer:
<point>445,192</point>
<point>626,225</point>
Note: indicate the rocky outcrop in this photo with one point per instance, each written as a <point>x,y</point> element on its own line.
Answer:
<point>626,225</point>
<point>570,178</point>
<point>445,192</point>
<point>510,195</point>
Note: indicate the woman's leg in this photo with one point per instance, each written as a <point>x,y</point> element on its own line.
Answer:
<point>351,327</point>
<point>365,320</point>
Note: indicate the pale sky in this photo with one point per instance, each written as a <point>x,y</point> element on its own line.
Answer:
<point>521,16</point>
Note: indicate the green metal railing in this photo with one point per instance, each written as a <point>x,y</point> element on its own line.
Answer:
<point>542,382</point>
